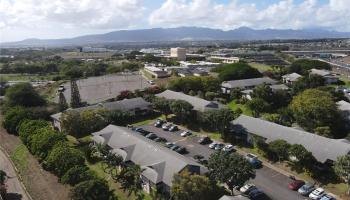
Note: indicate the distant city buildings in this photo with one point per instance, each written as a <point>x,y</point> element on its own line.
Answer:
<point>93,49</point>
<point>228,60</point>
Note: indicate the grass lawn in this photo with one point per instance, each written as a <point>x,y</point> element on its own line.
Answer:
<point>97,168</point>
<point>234,106</point>
<point>260,67</point>
<point>19,157</point>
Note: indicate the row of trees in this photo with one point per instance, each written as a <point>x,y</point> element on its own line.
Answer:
<point>195,84</point>
<point>54,153</point>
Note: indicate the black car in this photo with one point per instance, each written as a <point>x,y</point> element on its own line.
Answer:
<point>159,123</point>
<point>174,148</point>
<point>151,136</point>
<point>181,150</point>
<point>160,139</point>
<point>204,140</point>
<point>257,194</point>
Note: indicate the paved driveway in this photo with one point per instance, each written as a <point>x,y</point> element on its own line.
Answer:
<point>273,183</point>
<point>14,187</point>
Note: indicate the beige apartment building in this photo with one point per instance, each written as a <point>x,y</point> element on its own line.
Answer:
<point>179,53</point>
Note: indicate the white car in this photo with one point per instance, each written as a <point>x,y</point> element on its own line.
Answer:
<point>316,194</point>
<point>185,133</point>
<point>213,145</point>
<point>228,148</point>
<point>246,187</point>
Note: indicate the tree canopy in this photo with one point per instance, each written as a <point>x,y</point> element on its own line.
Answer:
<point>315,108</point>
<point>236,71</point>
<point>187,187</point>
<point>231,169</point>
<point>23,94</point>
<point>95,189</point>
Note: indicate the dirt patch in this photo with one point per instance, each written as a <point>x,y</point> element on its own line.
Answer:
<point>40,184</point>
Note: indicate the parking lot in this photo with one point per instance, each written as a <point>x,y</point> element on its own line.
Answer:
<point>273,183</point>
<point>101,88</point>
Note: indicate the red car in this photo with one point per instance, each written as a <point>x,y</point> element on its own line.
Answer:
<point>295,185</point>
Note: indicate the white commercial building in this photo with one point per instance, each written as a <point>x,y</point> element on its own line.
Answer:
<point>178,53</point>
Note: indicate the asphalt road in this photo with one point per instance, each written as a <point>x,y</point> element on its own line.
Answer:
<point>14,187</point>
<point>273,183</point>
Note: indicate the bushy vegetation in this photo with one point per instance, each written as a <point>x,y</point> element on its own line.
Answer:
<point>202,84</point>
<point>236,71</point>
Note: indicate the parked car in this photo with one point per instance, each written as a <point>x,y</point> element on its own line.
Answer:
<point>185,133</point>
<point>204,140</point>
<point>316,194</point>
<point>151,82</point>
<point>327,197</point>
<point>256,194</point>
<point>61,88</point>
<point>141,131</point>
<point>229,148</point>
<point>166,127</point>
<point>174,147</point>
<point>160,139</point>
<point>253,159</point>
<point>219,146</point>
<point>173,128</point>
<point>159,123</point>
<point>296,184</point>
<point>151,136</point>
<point>181,150</point>
<point>213,145</point>
<point>306,189</point>
<point>169,144</point>
<point>247,187</point>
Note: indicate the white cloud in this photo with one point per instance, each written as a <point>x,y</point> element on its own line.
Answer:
<point>283,14</point>
<point>79,13</point>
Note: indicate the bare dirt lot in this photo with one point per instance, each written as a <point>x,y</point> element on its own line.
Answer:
<point>40,184</point>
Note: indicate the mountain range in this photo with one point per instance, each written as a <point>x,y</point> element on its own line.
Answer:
<point>182,34</point>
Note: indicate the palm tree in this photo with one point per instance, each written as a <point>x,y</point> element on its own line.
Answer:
<point>130,179</point>
<point>3,177</point>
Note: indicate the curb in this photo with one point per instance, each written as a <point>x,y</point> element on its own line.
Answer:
<point>17,173</point>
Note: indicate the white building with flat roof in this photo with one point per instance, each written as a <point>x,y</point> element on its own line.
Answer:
<point>178,53</point>
<point>228,60</point>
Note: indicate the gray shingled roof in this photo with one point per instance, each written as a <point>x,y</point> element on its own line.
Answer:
<point>159,164</point>
<point>321,147</point>
<point>292,77</point>
<point>123,105</point>
<point>197,103</point>
<point>247,82</point>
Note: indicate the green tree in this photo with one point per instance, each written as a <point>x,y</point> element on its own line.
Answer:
<point>76,175</point>
<point>258,106</point>
<point>62,158</point>
<point>307,82</point>
<point>28,128</point>
<point>303,157</point>
<point>118,117</point>
<point>314,108</point>
<point>62,102</point>
<point>95,189</point>
<point>279,149</point>
<point>182,109</point>
<point>23,94</point>
<point>82,123</point>
<point>236,71</point>
<point>43,141</point>
<point>217,120</point>
<point>187,187</point>
<point>235,94</point>
<point>162,105</point>
<point>130,179</point>
<point>263,92</point>
<point>342,168</point>
<point>231,169</point>
<point>75,101</point>
<point>13,117</point>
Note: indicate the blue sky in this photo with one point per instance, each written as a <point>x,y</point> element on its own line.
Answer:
<point>21,19</point>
